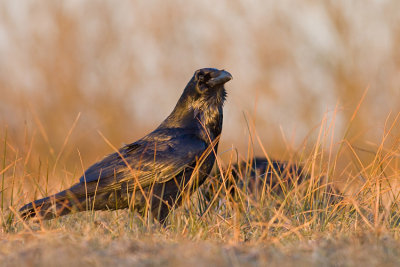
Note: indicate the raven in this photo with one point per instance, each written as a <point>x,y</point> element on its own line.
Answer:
<point>257,175</point>
<point>262,172</point>
<point>153,173</point>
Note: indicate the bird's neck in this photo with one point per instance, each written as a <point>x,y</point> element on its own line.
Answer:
<point>203,116</point>
<point>210,122</point>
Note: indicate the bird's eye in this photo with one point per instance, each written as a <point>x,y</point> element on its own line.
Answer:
<point>201,83</point>
<point>202,79</point>
<point>200,76</point>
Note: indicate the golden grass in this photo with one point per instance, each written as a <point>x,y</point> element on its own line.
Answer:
<point>299,70</point>
<point>305,224</point>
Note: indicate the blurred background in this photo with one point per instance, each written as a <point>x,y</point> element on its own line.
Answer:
<point>72,69</point>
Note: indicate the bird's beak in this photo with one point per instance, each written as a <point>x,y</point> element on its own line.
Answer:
<point>219,77</point>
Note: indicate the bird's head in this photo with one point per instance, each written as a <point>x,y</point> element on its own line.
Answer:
<point>204,94</point>
<point>208,79</point>
<point>207,86</point>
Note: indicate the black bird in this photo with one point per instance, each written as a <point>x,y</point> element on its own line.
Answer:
<point>154,172</point>
<point>256,175</point>
<point>260,174</point>
<point>279,176</point>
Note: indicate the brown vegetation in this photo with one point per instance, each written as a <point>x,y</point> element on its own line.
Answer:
<point>315,82</point>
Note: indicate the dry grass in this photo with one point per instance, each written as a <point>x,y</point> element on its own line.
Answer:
<point>317,83</point>
<point>303,225</point>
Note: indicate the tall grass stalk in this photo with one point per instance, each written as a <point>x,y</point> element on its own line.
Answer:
<point>4,173</point>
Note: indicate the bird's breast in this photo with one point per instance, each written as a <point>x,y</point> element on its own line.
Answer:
<point>210,123</point>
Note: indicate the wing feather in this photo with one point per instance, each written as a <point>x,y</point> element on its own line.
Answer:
<point>148,160</point>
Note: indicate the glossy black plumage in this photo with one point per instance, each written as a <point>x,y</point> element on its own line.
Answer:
<point>262,172</point>
<point>279,176</point>
<point>158,166</point>
<point>257,175</point>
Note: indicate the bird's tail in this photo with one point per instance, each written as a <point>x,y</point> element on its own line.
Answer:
<point>73,199</point>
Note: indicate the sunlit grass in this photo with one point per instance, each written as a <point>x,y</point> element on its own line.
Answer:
<point>330,202</point>
<point>105,67</point>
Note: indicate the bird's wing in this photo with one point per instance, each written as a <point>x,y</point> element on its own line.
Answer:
<point>152,159</point>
